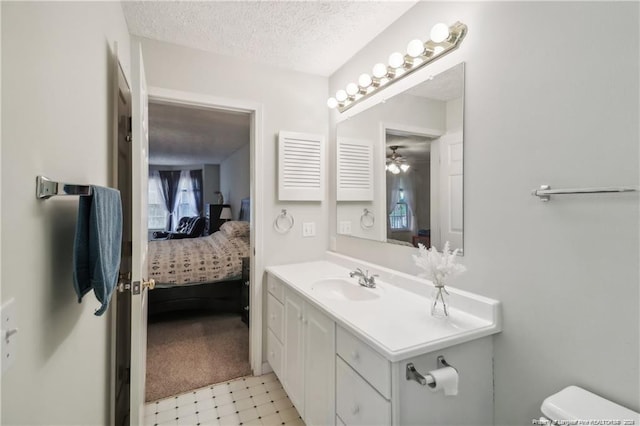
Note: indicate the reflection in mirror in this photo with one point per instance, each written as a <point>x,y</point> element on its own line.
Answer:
<point>399,165</point>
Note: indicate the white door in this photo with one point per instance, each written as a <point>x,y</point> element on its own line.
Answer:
<point>294,350</point>
<point>139,177</point>
<point>320,360</point>
<point>451,189</point>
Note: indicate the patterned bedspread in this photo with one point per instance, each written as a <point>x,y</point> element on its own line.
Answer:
<point>216,257</point>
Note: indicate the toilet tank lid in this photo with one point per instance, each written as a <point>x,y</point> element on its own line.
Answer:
<point>575,403</point>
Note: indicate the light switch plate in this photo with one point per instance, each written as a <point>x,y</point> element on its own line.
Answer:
<point>309,229</point>
<point>345,227</point>
<point>8,330</point>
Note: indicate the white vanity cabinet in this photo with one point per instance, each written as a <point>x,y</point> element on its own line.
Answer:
<point>342,355</point>
<point>306,367</point>
<point>363,382</point>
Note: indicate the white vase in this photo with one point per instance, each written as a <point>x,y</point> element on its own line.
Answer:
<point>440,302</point>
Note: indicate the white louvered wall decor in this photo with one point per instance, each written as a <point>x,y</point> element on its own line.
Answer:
<point>355,170</point>
<point>301,171</point>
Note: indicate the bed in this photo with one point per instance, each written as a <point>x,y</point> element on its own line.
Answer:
<point>209,272</point>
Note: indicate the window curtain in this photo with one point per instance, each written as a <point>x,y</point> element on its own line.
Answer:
<point>169,185</point>
<point>409,198</point>
<point>393,195</point>
<point>196,188</point>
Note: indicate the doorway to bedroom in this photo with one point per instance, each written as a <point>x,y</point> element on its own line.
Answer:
<point>199,247</point>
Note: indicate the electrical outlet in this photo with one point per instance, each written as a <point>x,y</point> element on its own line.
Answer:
<point>8,330</point>
<point>345,227</point>
<point>309,229</point>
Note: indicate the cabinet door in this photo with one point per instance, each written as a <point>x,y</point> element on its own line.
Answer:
<point>294,350</point>
<point>319,387</point>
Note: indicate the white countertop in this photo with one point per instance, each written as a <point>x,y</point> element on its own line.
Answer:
<point>398,324</point>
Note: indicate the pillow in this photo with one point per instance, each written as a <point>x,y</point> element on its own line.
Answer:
<point>235,228</point>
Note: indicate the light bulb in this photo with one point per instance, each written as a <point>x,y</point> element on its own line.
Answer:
<point>439,32</point>
<point>404,167</point>
<point>364,80</point>
<point>437,50</point>
<point>341,95</point>
<point>332,103</point>
<point>415,48</point>
<point>396,60</point>
<point>352,89</point>
<point>393,168</point>
<point>379,70</point>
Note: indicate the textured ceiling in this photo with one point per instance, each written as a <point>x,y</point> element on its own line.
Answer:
<point>181,135</point>
<point>316,37</point>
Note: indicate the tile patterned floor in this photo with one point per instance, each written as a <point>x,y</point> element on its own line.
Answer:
<point>248,401</point>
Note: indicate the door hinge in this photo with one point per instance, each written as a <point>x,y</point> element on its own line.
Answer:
<point>124,282</point>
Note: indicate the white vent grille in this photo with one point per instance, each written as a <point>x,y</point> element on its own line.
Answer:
<point>301,172</point>
<point>355,170</point>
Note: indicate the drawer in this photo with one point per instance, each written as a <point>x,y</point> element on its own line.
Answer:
<point>274,354</point>
<point>275,317</point>
<point>365,360</point>
<point>275,287</point>
<point>357,403</point>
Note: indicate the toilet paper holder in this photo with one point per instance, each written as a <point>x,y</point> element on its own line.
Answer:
<point>413,374</point>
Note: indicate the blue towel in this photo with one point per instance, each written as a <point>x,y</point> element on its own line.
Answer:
<point>96,251</point>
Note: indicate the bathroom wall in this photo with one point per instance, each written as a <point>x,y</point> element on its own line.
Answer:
<point>291,101</point>
<point>551,98</point>
<point>235,178</point>
<point>57,121</point>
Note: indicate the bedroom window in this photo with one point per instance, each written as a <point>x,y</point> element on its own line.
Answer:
<point>399,216</point>
<point>187,187</point>
<point>186,203</point>
<point>157,212</point>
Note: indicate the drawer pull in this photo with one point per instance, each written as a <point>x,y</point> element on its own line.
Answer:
<point>355,409</point>
<point>273,316</point>
<point>355,356</point>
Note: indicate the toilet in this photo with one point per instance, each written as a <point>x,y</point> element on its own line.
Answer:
<point>574,405</point>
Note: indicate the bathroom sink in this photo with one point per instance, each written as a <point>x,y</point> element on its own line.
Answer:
<point>342,289</point>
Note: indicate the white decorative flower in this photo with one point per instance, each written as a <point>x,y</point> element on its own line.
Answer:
<point>438,266</point>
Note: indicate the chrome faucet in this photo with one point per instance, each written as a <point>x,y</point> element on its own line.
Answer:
<point>364,279</point>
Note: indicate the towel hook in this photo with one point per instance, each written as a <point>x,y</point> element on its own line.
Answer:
<point>284,222</point>
<point>367,220</point>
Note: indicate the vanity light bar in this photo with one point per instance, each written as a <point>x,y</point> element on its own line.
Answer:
<point>443,40</point>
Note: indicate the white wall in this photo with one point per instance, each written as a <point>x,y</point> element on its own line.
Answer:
<point>57,121</point>
<point>235,178</point>
<point>549,99</point>
<point>211,185</point>
<point>291,100</point>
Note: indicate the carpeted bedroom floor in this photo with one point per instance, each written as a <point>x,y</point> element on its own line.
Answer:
<point>187,351</point>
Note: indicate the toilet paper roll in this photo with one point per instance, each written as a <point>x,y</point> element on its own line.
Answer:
<point>445,379</point>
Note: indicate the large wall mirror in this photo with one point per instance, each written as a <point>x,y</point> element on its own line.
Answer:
<point>400,166</point>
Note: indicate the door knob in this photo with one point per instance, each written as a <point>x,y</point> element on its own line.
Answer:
<point>151,284</point>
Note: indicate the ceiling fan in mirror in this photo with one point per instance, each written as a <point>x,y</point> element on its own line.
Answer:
<point>396,163</point>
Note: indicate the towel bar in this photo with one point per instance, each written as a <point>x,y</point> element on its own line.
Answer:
<point>46,188</point>
<point>545,192</point>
